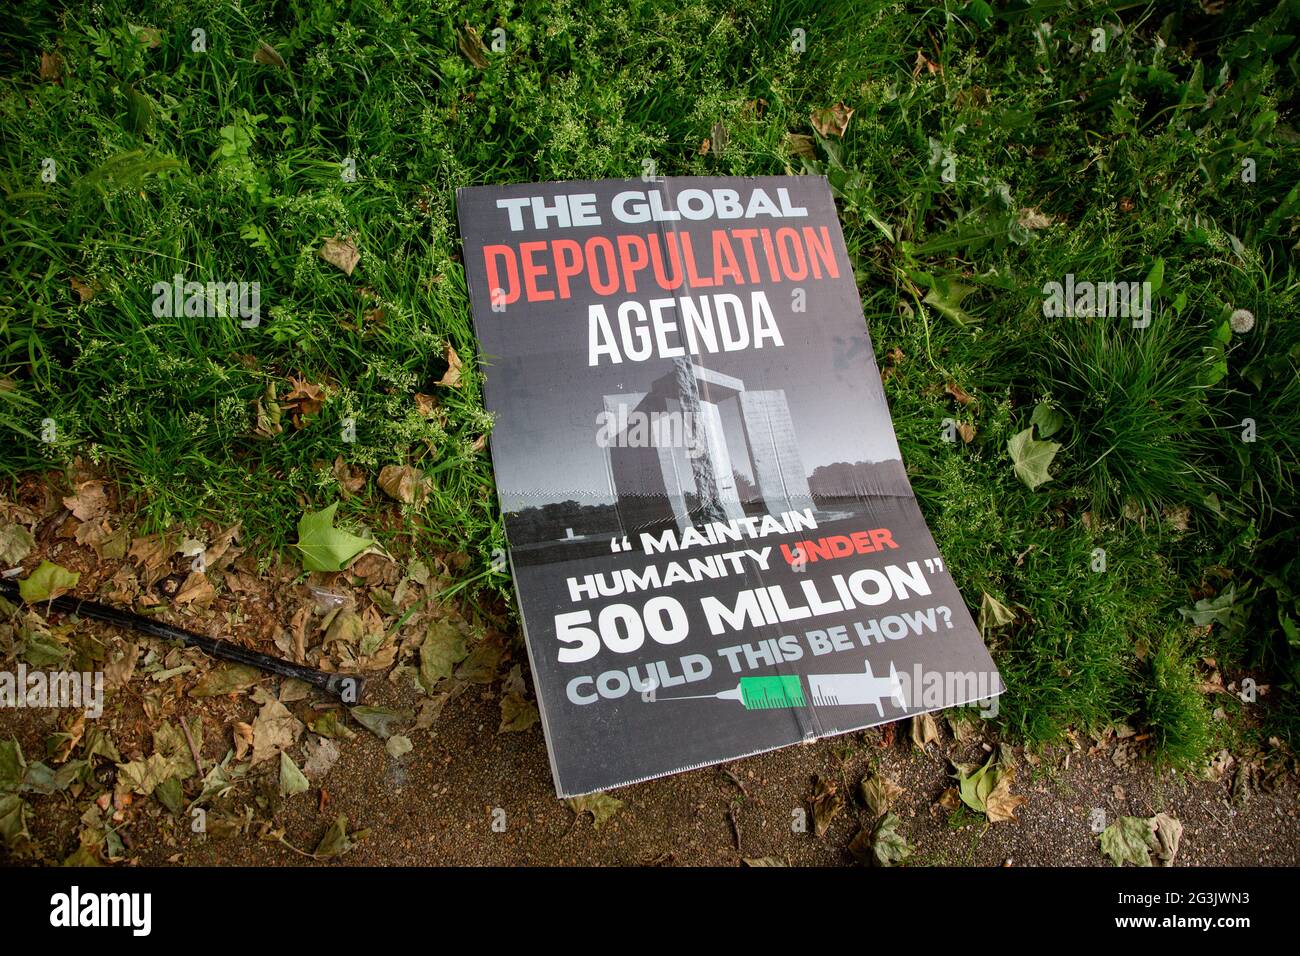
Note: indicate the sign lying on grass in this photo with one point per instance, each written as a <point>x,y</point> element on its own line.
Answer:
<point>716,548</point>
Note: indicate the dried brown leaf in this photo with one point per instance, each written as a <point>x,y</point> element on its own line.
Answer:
<point>832,120</point>
<point>340,253</point>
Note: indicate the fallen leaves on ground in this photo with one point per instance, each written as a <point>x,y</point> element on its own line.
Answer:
<point>321,755</point>
<point>227,679</point>
<point>517,714</point>
<point>1030,457</point>
<point>325,547</point>
<point>341,254</point>
<point>268,414</point>
<point>443,648</point>
<point>481,666</point>
<point>600,805</point>
<point>451,378</point>
<point>109,545</point>
<point>380,720</point>
<point>403,483</point>
<point>471,45</point>
<point>51,69</point>
<point>47,582</point>
<point>1048,419</point>
<point>827,803</point>
<point>832,121</point>
<point>1031,218</point>
<point>350,480</point>
<point>267,55</point>
<point>986,789</point>
<point>993,613</point>
<point>292,780</point>
<point>1135,839</point>
<point>88,502</point>
<point>882,844</point>
<point>331,724</point>
<point>337,840</point>
<point>960,394</point>
<point>151,552</point>
<point>143,776</point>
<point>197,589</point>
<point>275,729</point>
<point>879,793</point>
<point>925,730</point>
<point>16,542</point>
<point>304,401</point>
<point>801,144</point>
<point>85,290</point>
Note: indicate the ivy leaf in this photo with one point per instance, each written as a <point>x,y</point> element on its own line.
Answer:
<point>1030,457</point>
<point>325,547</point>
<point>47,582</point>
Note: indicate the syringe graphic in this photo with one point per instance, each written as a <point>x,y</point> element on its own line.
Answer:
<point>758,693</point>
<point>765,693</point>
<point>859,689</point>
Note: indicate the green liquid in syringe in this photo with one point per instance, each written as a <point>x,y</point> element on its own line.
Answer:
<point>759,693</point>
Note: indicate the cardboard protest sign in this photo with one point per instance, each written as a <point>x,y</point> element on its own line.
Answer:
<point>716,548</point>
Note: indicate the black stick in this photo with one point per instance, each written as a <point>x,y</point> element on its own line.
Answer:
<point>347,687</point>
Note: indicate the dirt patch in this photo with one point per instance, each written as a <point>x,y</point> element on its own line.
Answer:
<point>438,805</point>
<point>468,794</point>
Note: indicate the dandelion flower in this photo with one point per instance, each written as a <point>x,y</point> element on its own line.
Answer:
<point>1242,320</point>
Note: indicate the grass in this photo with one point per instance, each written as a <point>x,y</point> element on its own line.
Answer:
<point>971,123</point>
